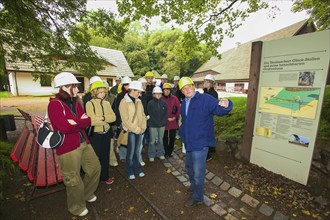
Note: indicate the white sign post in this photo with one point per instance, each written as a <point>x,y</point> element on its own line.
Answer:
<point>293,75</point>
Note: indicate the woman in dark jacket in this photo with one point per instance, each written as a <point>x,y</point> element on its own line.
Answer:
<point>157,112</point>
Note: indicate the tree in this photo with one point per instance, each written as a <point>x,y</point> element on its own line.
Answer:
<point>319,10</point>
<point>45,34</point>
<point>208,20</point>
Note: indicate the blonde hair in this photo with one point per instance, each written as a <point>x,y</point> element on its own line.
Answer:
<point>97,91</point>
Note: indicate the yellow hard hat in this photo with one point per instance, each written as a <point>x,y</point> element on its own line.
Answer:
<point>167,86</point>
<point>97,84</point>
<point>185,81</point>
<point>149,74</point>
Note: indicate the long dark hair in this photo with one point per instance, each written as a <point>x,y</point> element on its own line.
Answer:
<point>64,96</point>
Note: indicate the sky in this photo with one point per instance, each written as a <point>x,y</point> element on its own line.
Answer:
<point>257,25</point>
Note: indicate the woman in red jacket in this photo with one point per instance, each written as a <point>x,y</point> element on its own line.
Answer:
<point>173,113</point>
<point>68,116</point>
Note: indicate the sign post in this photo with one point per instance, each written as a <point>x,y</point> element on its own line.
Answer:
<point>293,75</point>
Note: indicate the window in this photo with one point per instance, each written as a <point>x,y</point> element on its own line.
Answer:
<point>45,80</point>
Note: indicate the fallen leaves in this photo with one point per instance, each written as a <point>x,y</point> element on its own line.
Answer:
<point>131,209</point>
<point>168,171</point>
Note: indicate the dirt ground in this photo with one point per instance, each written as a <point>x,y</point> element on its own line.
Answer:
<point>159,195</point>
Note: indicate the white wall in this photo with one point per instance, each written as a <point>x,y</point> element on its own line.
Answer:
<point>26,86</point>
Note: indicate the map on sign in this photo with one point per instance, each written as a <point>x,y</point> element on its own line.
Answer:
<point>292,101</point>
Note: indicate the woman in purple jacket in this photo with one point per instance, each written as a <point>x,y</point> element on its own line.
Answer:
<point>173,112</point>
<point>67,115</point>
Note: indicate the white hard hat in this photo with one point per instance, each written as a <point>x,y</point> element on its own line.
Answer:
<point>209,77</point>
<point>164,76</point>
<point>118,77</point>
<point>176,78</point>
<point>125,80</point>
<point>142,80</point>
<point>135,85</point>
<point>65,78</point>
<point>157,89</point>
<point>94,79</point>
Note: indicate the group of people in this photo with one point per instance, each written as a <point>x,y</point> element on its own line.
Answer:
<point>135,113</point>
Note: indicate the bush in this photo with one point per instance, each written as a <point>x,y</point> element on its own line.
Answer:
<point>231,125</point>
<point>324,126</point>
<point>6,164</point>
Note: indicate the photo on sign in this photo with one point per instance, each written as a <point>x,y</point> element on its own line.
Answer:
<point>306,78</point>
<point>299,102</point>
<point>298,139</point>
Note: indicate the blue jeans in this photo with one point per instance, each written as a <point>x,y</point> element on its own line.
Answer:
<point>122,153</point>
<point>159,133</point>
<point>132,164</point>
<point>196,168</point>
<point>140,149</point>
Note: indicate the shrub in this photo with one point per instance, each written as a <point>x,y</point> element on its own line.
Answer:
<point>6,164</point>
<point>231,125</point>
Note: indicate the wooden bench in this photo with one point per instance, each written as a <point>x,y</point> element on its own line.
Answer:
<point>41,164</point>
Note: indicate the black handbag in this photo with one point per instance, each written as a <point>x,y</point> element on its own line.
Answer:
<point>47,137</point>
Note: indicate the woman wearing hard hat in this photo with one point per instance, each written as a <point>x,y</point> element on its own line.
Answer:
<point>157,112</point>
<point>197,133</point>
<point>68,116</point>
<point>101,114</point>
<point>134,123</point>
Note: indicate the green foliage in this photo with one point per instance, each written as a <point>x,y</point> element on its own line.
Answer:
<point>4,95</point>
<point>162,50</point>
<point>231,125</point>
<point>6,164</point>
<point>319,10</point>
<point>38,32</point>
<point>207,20</point>
<point>324,127</point>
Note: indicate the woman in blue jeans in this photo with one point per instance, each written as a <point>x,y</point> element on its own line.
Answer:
<point>134,122</point>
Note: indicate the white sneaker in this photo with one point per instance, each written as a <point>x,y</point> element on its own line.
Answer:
<point>141,174</point>
<point>83,213</point>
<point>151,159</point>
<point>162,157</point>
<point>131,177</point>
<point>114,164</point>
<point>92,199</point>
<point>142,163</point>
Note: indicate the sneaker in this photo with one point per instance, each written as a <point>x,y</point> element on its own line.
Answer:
<point>109,181</point>
<point>92,199</point>
<point>142,163</point>
<point>131,177</point>
<point>114,164</point>
<point>162,157</point>
<point>209,158</point>
<point>83,213</point>
<point>151,159</point>
<point>191,203</point>
<point>141,174</point>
